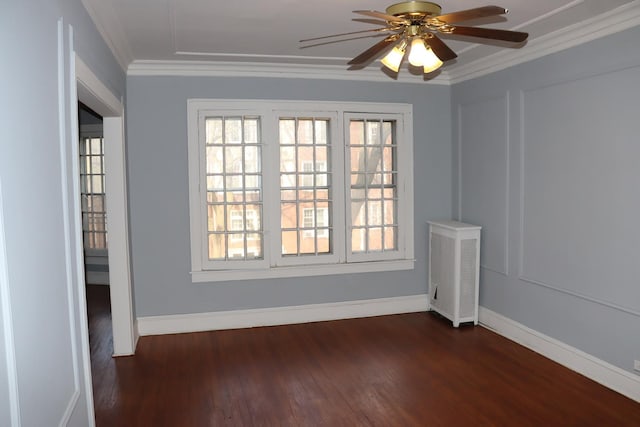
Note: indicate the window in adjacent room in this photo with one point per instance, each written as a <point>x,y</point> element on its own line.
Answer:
<point>92,193</point>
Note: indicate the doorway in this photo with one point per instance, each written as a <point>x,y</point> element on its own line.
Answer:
<point>97,97</point>
<point>95,238</point>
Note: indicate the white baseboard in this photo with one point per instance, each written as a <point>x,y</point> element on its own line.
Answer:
<point>591,367</point>
<point>172,324</point>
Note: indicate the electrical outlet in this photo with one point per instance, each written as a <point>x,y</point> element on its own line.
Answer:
<point>636,365</point>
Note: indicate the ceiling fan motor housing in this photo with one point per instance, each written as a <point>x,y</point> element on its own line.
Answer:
<point>414,9</point>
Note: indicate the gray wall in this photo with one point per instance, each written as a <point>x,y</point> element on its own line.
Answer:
<point>546,160</point>
<point>33,183</point>
<point>158,190</point>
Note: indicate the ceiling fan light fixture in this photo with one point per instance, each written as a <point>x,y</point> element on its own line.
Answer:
<point>431,61</point>
<point>419,24</point>
<point>418,54</point>
<point>394,58</point>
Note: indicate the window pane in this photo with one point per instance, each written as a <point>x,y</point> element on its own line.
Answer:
<point>389,212</point>
<point>96,146</point>
<point>287,131</point>
<point>390,242</point>
<point>233,159</point>
<point>307,242</point>
<point>217,247</point>
<point>289,243</point>
<point>97,203</point>
<point>306,156</point>
<point>304,167</point>
<point>323,242</point>
<point>252,159</point>
<point>215,182</point>
<point>254,246</point>
<point>288,215</point>
<point>305,131</point>
<point>253,182</point>
<point>213,131</point>
<point>373,133</point>
<point>96,184</point>
<point>322,132</point>
<point>358,240</point>
<point>375,239</point>
<point>288,195</point>
<point>214,159</point>
<point>373,185</point>
<point>374,213</point>
<point>251,130</point>
<point>287,159</point>
<point>357,159</point>
<point>252,195</point>
<point>322,194</point>
<point>234,187</point>
<point>287,180</point>
<point>356,132</point>
<point>96,164</point>
<point>252,217</point>
<point>232,131</point>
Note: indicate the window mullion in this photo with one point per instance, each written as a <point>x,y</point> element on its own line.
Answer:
<point>271,185</point>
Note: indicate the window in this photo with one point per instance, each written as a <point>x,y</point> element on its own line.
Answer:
<point>92,193</point>
<point>374,185</point>
<point>281,189</point>
<point>305,146</point>
<point>233,183</point>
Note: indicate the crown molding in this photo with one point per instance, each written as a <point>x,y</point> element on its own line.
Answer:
<point>112,32</point>
<point>616,20</point>
<point>255,69</point>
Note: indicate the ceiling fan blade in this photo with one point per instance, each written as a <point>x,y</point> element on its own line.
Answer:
<point>371,21</point>
<point>490,33</point>
<point>469,14</point>
<point>441,50</point>
<point>348,34</point>
<point>332,41</point>
<point>381,15</point>
<point>374,50</point>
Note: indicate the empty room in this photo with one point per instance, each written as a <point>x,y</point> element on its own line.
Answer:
<point>319,213</point>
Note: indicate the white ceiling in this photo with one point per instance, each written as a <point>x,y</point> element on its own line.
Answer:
<point>267,32</point>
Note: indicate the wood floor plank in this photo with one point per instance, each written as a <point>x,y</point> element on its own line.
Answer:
<point>402,370</point>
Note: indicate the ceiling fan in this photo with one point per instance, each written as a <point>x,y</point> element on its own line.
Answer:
<point>415,25</point>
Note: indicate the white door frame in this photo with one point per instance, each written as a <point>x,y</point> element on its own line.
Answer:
<point>94,94</point>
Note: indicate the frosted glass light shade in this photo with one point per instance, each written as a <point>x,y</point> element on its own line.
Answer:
<point>418,53</point>
<point>431,61</point>
<point>394,58</point>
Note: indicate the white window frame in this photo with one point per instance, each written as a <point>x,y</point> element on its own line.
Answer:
<point>274,265</point>
<point>337,193</point>
<point>197,114</point>
<point>404,181</point>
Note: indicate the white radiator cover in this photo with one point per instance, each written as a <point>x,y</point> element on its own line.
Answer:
<point>454,270</point>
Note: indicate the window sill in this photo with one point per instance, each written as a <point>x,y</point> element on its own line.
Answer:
<point>298,271</point>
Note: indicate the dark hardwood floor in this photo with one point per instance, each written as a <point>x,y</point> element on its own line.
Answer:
<point>402,370</point>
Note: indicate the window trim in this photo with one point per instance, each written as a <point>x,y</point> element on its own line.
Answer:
<point>280,260</point>
<point>198,208</point>
<point>404,158</point>
<point>271,267</point>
